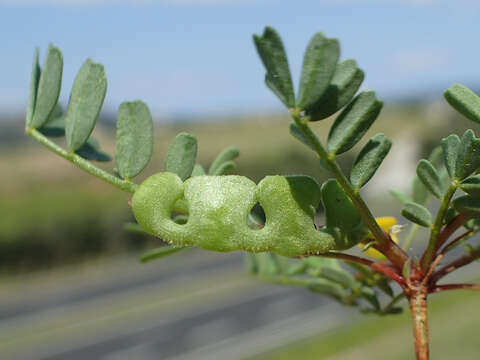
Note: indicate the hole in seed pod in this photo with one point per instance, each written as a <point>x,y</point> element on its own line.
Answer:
<point>256,217</point>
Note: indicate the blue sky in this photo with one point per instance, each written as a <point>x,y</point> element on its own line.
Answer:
<point>197,57</point>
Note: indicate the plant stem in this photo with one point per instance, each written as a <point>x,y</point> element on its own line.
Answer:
<point>429,254</point>
<point>446,287</point>
<point>454,265</point>
<point>83,164</point>
<point>418,308</point>
<point>391,250</point>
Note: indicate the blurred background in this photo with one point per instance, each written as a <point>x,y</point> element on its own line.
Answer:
<point>71,285</point>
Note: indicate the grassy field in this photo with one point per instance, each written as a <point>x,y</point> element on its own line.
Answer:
<point>454,325</point>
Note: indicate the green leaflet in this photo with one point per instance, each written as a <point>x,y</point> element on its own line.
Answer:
<point>55,124</point>
<point>468,157</point>
<point>342,218</point>
<point>160,253</point>
<point>345,83</point>
<point>400,196</point>
<point>35,77</point>
<point>417,214</point>
<point>295,131</point>
<point>198,170</point>
<point>450,147</point>
<point>369,160</point>
<point>278,79</point>
<point>318,67</point>
<point>353,122</point>
<point>327,287</point>
<point>430,178</point>
<point>86,100</point>
<point>467,205</point>
<point>226,168</point>
<point>218,208</point>
<point>181,155</point>
<point>48,89</point>
<point>91,151</point>
<point>464,100</point>
<point>134,138</point>
<point>228,154</point>
<point>471,185</point>
<point>419,192</point>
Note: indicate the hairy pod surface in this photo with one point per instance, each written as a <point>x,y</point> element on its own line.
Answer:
<point>218,208</point>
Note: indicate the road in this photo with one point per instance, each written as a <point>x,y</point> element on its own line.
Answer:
<point>191,306</point>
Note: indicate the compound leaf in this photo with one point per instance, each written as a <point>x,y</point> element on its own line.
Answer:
<point>353,122</point>
<point>464,100</point>
<point>417,214</point>
<point>344,84</point>
<point>318,67</point>
<point>278,79</point>
<point>369,160</point>
<point>134,138</point>
<point>86,100</point>
<point>430,178</point>
<point>228,154</point>
<point>49,86</point>
<point>450,147</point>
<point>181,155</point>
<point>35,77</point>
<point>419,192</point>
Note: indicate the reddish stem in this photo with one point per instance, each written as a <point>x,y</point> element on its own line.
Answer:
<point>446,287</point>
<point>456,264</point>
<point>418,308</point>
<point>454,242</point>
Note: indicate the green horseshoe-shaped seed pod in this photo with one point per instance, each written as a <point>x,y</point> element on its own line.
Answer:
<point>218,207</point>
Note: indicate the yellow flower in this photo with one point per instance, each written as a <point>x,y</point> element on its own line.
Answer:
<point>386,223</point>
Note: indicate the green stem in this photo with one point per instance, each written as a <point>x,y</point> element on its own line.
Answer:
<point>429,254</point>
<point>390,249</point>
<point>83,164</point>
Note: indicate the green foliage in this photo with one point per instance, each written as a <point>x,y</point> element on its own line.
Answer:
<point>369,159</point>
<point>450,147</point>
<point>354,121</point>
<point>429,176</point>
<point>187,206</point>
<point>468,156</point>
<point>467,205</point>
<point>471,185</point>
<point>34,78</point>
<point>134,138</point>
<point>161,252</point>
<point>86,101</point>
<point>48,90</point>
<point>181,155</point>
<point>91,151</point>
<point>464,100</point>
<point>342,88</point>
<point>278,78</point>
<point>226,156</point>
<point>418,214</point>
<point>341,216</point>
<point>318,68</point>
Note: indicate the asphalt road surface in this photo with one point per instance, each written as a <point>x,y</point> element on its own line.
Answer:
<point>191,306</point>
